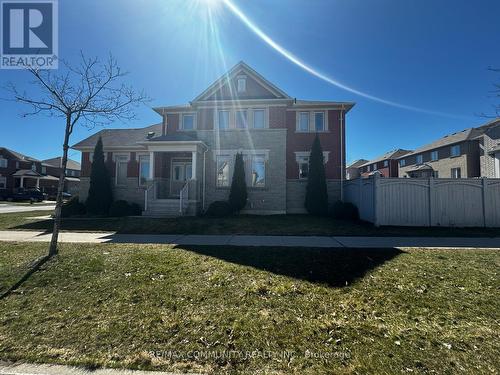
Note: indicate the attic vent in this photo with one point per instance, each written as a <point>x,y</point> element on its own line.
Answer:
<point>150,135</point>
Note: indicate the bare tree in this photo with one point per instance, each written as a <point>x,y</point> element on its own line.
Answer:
<point>495,93</point>
<point>90,93</point>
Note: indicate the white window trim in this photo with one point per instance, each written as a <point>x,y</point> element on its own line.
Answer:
<point>312,125</point>
<point>302,154</point>
<point>216,117</point>
<point>244,79</point>
<point>246,119</point>
<point>266,122</point>
<point>6,162</point>
<point>231,154</point>
<point>138,159</point>
<point>232,118</point>
<point>120,154</point>
<point>181,121</point>
<point>127,160</point>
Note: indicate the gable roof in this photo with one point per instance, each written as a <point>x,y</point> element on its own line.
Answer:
<point>119,138</point>
<point>18,155</point>
<point>393,154</point>
<point>448,140</point>
<point>357,163</point>
<point>238,69</point>
<point>56,162</point>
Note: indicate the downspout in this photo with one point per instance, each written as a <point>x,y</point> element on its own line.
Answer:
<point>342,154</point>
<point>204,178</point>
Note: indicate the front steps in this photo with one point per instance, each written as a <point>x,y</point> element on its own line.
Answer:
<point>168,208</point>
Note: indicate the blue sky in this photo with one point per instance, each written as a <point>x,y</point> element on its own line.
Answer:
<point>427,54</point>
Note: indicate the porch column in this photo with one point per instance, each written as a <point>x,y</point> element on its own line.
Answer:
<point>193,165</point>
<point>37,183</point>
<point>151,165</point>
<point>22,182</point>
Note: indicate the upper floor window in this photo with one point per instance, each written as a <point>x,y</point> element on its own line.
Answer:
<point>3,163</point>
<point>241,119</point>
<point>17,165</point>
<point>304,121</point>
<point>319,121</point>
<point>188,122</point>
<point>420,159</point>
<point>386,163</point>
<point>44,170</point>
<point>242,84</point>
<point>259,119</point>
<point>434,155</point>
<point>402,162</point>
<point>455,150</point>
<point>33,167</point>
<point>223,122</point>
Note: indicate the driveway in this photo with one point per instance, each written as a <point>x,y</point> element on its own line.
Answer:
<point>8,207</point>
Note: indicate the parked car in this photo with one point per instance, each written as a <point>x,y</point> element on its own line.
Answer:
<point>32,195</point>
<point>53,196</point>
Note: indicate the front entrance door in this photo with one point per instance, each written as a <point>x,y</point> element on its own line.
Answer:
<point>181,171</point>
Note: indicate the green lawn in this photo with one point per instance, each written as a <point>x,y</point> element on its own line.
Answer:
<point>243,224</point>
<point>302,311</point>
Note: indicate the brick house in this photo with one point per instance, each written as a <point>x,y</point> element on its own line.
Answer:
<point>489,153</point>
<point>385,165</point>
<point>184,163</point>
<point>352,170</point>
<point>18,171</point>
<point>453,156</point>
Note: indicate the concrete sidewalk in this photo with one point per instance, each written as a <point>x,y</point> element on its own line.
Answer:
<point>245,240</point>
<point>42,369</point>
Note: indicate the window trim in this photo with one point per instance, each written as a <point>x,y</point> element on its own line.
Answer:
<point>138,156</point>
<point>243,79</point>
<point>126,161</point>
<point>459,172</point>
<point>263,110</point>
<point>181,122</point>
<point>435,152</point>
<point>312,121</point>
<point>324,122</point>
<point>402,163</point>
<point>298,127</point>
<point>6,162</point>
<point>236,116</point>
<point>217,119</point>
<point>459,151</point>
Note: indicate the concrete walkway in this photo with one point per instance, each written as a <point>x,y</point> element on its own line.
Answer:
<point>32,369</point>
<point>245,240</point>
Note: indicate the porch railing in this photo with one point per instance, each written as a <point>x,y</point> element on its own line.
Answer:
<point>184,198</point>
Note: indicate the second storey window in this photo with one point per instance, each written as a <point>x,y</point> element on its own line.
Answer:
<point>434,156</point>
<point>3,163</point>
<point>304,121</point>
<point>386,163</point>
<point>188,122</point>
<point>143,169</point>
<point>241,119</point>
<point>223,120</point>
<point>223,170</point>
<point>121,169</point>
<point>420,159</point>
<point>319,121</point>
<point>455,150</point>
<point>402,162</point>
<point>33,167</point>
<point>259,119</point>
<point>44,170</point>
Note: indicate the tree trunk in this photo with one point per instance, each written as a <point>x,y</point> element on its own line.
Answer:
<point>60,189</point>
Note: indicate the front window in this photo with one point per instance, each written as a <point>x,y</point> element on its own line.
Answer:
<point>258,119</point>
<point>456,173</point>
<point>223,119</point>
<point>187,122</point>
<point>319,121</point>
<point>258,169</point>
<point>304,122</point>
<point>455,150</point>
<point>143,169</point>
<point>3,163</point>
<point>223,170</point>
<point>434,155</point>
<point>3,182</point>
<point>242,84</point>
<point>303,167</point>
<point>420,159</point>
<point>241,119</point>
<point>121,169</point>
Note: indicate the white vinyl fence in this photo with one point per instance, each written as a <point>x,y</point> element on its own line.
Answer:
<point>467,202</point>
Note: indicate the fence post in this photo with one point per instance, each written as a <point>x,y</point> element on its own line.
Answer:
<point>431,199</point>
<point>484,191</point>
<point>375,186</point>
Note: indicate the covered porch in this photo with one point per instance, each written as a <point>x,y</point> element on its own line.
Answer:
<point>173,171</point>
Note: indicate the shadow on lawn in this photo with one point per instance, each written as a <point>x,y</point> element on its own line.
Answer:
<point>336,267</point>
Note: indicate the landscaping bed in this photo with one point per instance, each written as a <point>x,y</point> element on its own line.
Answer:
<point>303,311</point>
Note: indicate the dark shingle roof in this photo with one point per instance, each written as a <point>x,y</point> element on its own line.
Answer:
<point>173,138</point>
<point>394,154</point>
<point>357,163</point>
<point>56,162</point>
<point>119,137</point>
<point>18,155</point>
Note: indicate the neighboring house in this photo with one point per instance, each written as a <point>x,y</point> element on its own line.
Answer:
<point>489,144</point>
<point>385,165</point>
<point>21,171</point>
<point>453,156</point>
<point>186,162</point>
<point>73,170</point>
<point>352,170</point>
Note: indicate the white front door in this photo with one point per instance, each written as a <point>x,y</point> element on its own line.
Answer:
<point>181,172</point>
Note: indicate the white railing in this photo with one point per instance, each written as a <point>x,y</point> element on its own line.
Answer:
<point>148,195</point>
<point>184,198</point>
